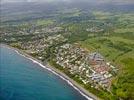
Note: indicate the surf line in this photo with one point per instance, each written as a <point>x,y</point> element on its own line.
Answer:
<point>54,72</point>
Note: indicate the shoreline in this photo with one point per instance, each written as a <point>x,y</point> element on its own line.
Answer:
<point>63,76</point>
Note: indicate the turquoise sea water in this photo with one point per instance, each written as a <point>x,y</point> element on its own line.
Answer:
<point>21,79</point>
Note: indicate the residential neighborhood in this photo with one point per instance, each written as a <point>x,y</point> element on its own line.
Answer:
<point>89,67</point>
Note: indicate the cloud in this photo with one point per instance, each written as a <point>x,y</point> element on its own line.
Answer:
<point>118,1</point>
<point>96,1</point>
<point>13,0</point>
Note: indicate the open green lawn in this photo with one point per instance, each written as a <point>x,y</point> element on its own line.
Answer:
<point>124,30</point>
<point>101,15</point>
<point>126,17</point>
<point>44,22</point>
<point>110,47</point>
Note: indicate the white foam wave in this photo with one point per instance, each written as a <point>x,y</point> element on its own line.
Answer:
<point>70,83</point>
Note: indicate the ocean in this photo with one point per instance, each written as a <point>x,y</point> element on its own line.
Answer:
<point>22,79</point>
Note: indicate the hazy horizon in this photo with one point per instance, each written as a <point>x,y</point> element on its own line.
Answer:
<point>96,1</point>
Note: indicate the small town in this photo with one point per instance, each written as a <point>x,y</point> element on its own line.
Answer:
<point>89,67</point>
<point>67,49</point>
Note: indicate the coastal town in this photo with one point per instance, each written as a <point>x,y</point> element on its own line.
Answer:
<point>89,67</point>
<point>90,46</point>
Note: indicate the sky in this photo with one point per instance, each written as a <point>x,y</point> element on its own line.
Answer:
<point>117,1</point>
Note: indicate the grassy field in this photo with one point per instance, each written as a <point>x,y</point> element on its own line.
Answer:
<point>124,30</point>
<point>110,47</point>
<point>101,15</point>
<point>120,51</point>
<point>44,22</point>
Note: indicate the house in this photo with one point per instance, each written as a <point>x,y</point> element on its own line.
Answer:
<point>96,58</point>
